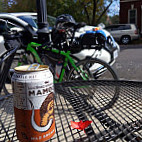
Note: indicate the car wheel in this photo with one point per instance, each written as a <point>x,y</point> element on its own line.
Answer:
<point>125,39</point>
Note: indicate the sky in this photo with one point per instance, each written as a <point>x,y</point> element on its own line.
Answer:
<point>114,8</point>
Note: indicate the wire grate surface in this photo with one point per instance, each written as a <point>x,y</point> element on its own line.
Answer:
<point>117,120</point>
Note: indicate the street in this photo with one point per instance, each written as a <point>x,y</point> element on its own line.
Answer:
<point>128,65</point>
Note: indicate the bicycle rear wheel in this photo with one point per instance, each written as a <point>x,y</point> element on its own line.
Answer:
<point>96,69</point>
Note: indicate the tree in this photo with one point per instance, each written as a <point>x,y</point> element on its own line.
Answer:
<point>114,8</point>
<point>89,11</point>
<point>22,6</point>
<point>115,19</point>
<point>95,9</point>
<point>1,9</point>
<point>58,7</point>
<point>5,5</point>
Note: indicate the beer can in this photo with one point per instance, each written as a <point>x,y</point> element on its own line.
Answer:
<point>33,103</point>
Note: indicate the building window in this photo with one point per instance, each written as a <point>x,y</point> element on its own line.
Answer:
<point>132,18</point>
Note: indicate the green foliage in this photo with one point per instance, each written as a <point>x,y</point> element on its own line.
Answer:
<point>115,19</point>
<point>88,11</point>
<point>23,6</point>
<point>81,10</point>
<point>1,9</point>
<point>58,7</point>
<point>3,5</point>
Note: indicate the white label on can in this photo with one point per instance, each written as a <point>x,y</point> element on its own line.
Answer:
<point>33,89</point>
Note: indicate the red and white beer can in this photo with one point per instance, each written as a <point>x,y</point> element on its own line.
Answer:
<point>33,103</point>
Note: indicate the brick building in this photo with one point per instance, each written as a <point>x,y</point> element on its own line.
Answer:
<point>131,12</point>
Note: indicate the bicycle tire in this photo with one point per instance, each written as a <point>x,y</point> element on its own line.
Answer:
<point>86,64</point>
<point>27,58</point>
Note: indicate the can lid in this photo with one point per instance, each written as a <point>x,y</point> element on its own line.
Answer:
<point>31,68</point>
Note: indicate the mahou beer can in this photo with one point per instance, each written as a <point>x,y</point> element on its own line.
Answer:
<point>33,103</point>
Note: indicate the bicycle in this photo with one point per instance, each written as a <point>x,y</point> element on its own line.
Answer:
<point>39,56</point>
<point>71,70</point>
<point>87,69</point>
<point>63,51</point>
<point>12,43</point>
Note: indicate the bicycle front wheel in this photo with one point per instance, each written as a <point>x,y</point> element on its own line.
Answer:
<point>96,69</point>
<point>19,59</point>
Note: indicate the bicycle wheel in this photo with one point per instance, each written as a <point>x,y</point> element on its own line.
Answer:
<point>19,59</point>
<point>97,70</point>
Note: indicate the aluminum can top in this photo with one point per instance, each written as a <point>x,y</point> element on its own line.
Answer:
<point>31,68</point>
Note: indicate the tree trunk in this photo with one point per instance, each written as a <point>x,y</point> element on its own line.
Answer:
<point>85,10</point>
<point>103,12</point>
<point>94,12</point>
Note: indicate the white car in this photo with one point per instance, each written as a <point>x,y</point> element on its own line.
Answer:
<point>124,33</point>
<point>21,20</point>
<point>108,54</point>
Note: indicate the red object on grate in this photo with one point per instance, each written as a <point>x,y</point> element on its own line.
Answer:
<point>80,125</point>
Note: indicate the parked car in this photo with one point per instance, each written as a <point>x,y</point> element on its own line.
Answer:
<point>108,54</point>
<point>2,47</point>
<point>124,33</point>
<point>21,20</point>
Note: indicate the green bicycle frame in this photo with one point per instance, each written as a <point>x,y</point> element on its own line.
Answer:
<point>31,47</point>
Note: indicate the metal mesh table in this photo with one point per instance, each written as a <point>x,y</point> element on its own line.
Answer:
<point>117,120</point>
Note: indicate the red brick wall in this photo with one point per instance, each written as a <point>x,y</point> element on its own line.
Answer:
<point>125,6</point>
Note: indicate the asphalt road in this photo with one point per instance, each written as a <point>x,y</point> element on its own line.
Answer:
<point>129,62</point>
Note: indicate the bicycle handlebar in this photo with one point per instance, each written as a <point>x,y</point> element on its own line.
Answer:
<point>12,40</point>
<point>63,38</point>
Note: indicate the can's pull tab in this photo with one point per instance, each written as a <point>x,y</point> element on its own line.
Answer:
<point>33,66</point>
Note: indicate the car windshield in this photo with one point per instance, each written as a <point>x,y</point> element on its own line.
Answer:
<point>32,20</point>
